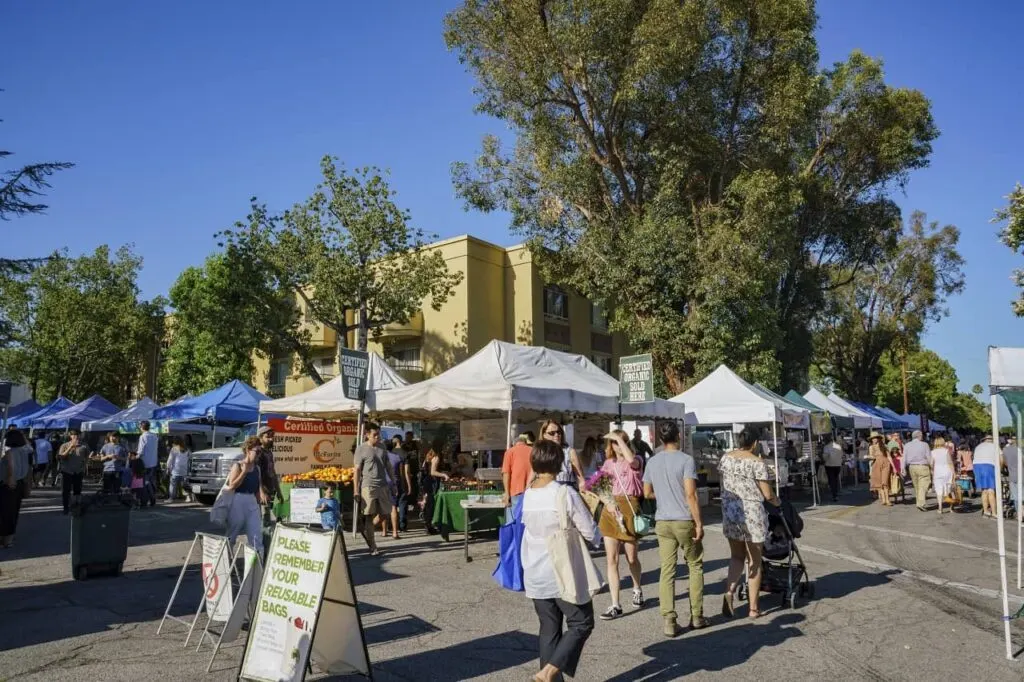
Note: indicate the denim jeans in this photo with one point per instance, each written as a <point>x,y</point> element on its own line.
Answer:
<point>177,483</point>
<point>402,500</point>
<point>112,482</point>
<point>151,487</point>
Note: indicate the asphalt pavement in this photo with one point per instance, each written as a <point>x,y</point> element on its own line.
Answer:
<point>899,594</point>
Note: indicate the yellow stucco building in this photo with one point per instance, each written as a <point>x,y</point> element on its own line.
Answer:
<point>501,296</point>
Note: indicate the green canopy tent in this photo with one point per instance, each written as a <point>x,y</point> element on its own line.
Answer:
<point>838,421</point>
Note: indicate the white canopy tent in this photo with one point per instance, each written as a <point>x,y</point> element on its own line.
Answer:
<point>824,402</point>
<point>723,397</point>
<point>1006,380</point>
<point>328,400</point>
<point>527,382</point>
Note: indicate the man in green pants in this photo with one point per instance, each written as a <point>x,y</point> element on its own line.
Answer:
<point>671,479</point>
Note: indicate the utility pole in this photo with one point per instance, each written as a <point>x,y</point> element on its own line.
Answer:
<point>906,394</point>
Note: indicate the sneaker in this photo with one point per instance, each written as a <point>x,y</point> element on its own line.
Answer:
<point>612,613</point>
<point>671,629</point>
<point>699,623</point>
<point>638,598</point>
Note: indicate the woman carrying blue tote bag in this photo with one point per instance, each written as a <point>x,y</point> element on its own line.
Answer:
<point>509,571</point>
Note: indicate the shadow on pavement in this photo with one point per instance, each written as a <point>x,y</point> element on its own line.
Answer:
<point>845,583</point>
<point>715,651</point>
<point>397,628</point>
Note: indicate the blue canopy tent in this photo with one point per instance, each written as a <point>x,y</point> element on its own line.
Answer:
<point>22,409</point>
<point>888,423</point>
<point>143,409</point>
<point>94,407</point>
<point>908,426</point>
<point>57,405</point>
<point>236,402</point>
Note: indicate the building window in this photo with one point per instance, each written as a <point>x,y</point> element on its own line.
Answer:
<point>279,370</point>
<point>406,358</point>
<point>556,303</point>
<point>602,361</point>
<point>325,366</point>
<point>598,317</point>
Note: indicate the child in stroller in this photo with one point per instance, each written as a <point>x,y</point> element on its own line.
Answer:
<point>782,568</point>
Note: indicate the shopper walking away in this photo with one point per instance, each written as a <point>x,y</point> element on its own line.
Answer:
<point>430,481</point>
<point>244,513</point>
<point>745,484</point>
<point>71,458</point>
<point>833,457</point>
<point>149,453</point>
<point>917,458</point>
<point>15,479</point>
<point>114,457</point>
<point>371,480</point>
<point>516,472</point>
<point>44,461</point>
<point>881,468</point>
<point>965,463</point>
<point>177,468</point>
<point>942,470</point>
<point>671,479</point>
<point>640,446</point>
<point>624,468</point>
<point>571,472</point>
<point>329,509</point>
<point>559,650</point>
<point>1010,461</point>
<point>986,459</point>
<point>397,486</point>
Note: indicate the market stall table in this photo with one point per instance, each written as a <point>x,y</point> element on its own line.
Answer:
<point>449,517</point>
<point>494,503</point>
<point>283,509</point>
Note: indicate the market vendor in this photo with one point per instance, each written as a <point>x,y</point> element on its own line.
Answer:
<point>268,475</point>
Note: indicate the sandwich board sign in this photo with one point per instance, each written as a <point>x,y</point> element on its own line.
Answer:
<point>217,577</point>
<point>306,586</point>
<point>636,379</point>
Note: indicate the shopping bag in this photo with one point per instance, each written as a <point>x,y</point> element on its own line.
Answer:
<point>219,511</point>
<point>509,571</point>
<point>594,503</point>
<point>575,573</point>
<point>895,484</point>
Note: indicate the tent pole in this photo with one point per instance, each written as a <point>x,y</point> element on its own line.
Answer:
<point>999,524</point>
<point>1020,428</point>
<point>815,501</point>
<point>775,450</point>
<point>508,439</point>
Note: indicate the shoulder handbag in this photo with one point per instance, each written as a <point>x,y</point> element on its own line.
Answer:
<point>575,573</point>
<point>643,524</point>
<point>221,506</point>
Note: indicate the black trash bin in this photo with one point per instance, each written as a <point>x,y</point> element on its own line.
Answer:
<point>99,534</point>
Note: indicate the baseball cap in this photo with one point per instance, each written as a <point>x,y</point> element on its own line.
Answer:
<point>264,430</point>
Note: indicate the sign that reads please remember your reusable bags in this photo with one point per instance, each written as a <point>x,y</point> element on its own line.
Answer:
<point>289,600</point>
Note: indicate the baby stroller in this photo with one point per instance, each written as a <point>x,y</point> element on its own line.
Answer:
<point>1009,508</point>
<point>782,568</point>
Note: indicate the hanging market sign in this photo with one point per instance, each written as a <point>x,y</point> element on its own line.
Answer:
<point>355,366</point>
<point>636,379</point>
<point>304,444</point>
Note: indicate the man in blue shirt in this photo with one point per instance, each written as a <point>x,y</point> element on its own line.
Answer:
<point>330,511</point>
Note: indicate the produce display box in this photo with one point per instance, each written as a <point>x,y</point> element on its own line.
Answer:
<point>343,495</point>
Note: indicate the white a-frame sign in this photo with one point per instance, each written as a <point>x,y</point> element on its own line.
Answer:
<point>306,610</point>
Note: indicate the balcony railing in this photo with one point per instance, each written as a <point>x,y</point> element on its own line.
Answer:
<point>405,365</point>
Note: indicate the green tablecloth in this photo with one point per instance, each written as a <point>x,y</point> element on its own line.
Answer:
<point>343,495</point>
<point>449,516</point>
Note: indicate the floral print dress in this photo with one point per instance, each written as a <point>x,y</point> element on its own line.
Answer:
<point>743,514</point>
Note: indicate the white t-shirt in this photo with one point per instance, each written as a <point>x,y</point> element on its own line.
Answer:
<point>986,453</point>
<point>540,519</point>
<point>1010,455</point>
<point>43,451</point>
<point>833,455</point>
<point>148,449</point>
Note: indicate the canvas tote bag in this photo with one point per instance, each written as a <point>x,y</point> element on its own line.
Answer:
<point>577,577</point>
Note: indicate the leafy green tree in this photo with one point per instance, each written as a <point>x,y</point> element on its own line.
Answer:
<point>1012,234</point>
<point>347,253</point>
<point>689,166</point>
<point>79,325</point>
<point>885,305</point>
<point>931,389</point>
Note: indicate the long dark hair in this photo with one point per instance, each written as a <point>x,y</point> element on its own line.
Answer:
<point>589,452</point>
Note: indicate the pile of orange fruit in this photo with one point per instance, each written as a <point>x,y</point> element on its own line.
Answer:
<point>342,475</point>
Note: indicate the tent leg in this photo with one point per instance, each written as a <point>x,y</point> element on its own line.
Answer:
<point>775,450</point>
<point>508,440</point>
<point>815,501</point>
<point>1002,538</point>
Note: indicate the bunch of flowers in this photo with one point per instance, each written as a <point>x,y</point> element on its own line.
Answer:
<point>601,485</point>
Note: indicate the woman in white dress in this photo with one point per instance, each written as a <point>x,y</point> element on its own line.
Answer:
<point>942,470</point>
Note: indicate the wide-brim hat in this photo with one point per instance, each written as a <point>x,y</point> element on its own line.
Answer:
<point>875,434</point>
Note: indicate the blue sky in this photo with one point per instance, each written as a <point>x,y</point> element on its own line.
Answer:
<point>176,113</point>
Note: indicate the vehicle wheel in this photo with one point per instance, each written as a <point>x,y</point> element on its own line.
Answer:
<point>208,500</point>
<point>792,600</point>
<point>81,573</point>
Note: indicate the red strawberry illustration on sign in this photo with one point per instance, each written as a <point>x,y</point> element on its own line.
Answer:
<point>299,624</point>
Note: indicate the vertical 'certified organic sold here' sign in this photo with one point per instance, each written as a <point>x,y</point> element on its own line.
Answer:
<point>636,379</point>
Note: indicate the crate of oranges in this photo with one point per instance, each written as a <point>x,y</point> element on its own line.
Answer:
<point>337,475</point>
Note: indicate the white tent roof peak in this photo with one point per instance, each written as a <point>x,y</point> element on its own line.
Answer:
<point>328,400</point>
<point>723,397</point>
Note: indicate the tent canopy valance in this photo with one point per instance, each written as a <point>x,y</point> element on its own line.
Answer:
<point>838,421</point>
<point>94,407</point>
<point>723,397</point>
<point>236,402</point>
<point>888,422</point>
<point>837,406</point>
<point>328,400</point>
<point>25,421</point>
<point>527,381</point>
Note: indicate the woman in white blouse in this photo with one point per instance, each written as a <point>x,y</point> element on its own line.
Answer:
<point>559,651</point>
